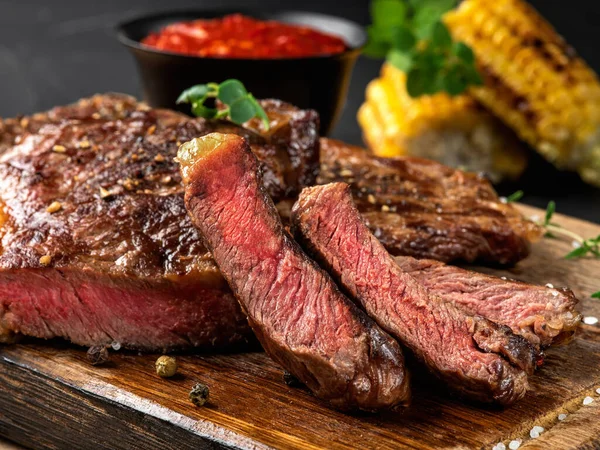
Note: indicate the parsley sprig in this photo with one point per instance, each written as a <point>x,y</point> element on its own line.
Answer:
<point>411,35</point>
<point>586,246</point>
<point>240,105</point>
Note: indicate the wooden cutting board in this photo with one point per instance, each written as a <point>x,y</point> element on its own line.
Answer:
<point>51,397</point>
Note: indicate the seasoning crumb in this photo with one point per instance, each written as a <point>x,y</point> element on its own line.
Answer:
<point>45,260</point>
<point>166,366</point>
<point>84,144</point>
<point>24,122</point>
<point>59,148</point>
<point>97,355</point>
<point>588,400</point>
<point>96,116</point>
<point>499,446</point>
<point>104,193</point>
<point>166,180</point>
<point>151,130</point>
<point>291,380</point>
<point>371,199</point>
<point>562,417</point>
<point>159,158</point>
<point>385,208</point>
<point>590,320</point>
<point>53,207</point>
<point>536,431</point>
<point>199,394</point>
<point>514,445</point>
<point>346,173</point>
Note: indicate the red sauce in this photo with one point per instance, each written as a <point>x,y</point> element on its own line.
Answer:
<point>238,36</point>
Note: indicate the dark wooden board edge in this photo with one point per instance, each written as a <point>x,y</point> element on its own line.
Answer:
<point>38,411</point>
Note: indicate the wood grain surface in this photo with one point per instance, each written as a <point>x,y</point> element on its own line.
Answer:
<point>51,397</point>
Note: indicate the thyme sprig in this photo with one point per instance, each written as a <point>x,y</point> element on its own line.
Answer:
<point>515,197</point>
<point>595,295</point>
<point>240,105</point>
<point>586,246</point>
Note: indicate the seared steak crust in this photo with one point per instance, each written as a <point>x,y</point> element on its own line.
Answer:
<point>296,311</point>
<point>424,209</point>
<point>108,163</point>
<point>544,315</point>
<point>475,356</point>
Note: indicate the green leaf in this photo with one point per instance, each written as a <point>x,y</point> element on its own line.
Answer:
<point>440,36</point>
<point>230,91</point>
<point>463,52</point>
<point>578,252</point>
<point>515,196</point>
<point>595,295</point>
<point>193,94</point>
<point>403,38</point>
<point>442,5</point>
<point>420,82</point>
<point>550,209</point>
<point>378,45</point>
<point>199,110</point>
<point>401,60</point>
<point>424,20</point>
<point>454,81</point>
<point>387,13</point>
<point>260,112</point>
<point>242,110</point>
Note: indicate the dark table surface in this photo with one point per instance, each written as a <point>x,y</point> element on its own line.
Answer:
<point>53,53</point>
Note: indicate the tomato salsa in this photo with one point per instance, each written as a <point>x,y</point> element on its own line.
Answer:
<point>238,36</point>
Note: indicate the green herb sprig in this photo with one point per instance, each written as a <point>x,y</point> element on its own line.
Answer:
<point>586,246</point>
<point>411,35</point>
<point>240,105</point>
<point>515,197</point>
<point>595,295</point>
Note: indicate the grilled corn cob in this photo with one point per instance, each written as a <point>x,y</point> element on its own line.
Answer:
<point>453,130</point>
<point>533,81</point>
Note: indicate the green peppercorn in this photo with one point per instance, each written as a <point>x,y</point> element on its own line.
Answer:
<point>97,355</point>
<point>166,366</point>
<point>199,394</point>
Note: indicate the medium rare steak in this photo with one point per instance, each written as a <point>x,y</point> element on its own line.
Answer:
<point>302,320</point>
<point>475,356</point>
<point>424,209</point>
<point>97,246</point>
<point>543,315</point>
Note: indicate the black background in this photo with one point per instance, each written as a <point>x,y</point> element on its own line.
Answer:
<point>54,52</point>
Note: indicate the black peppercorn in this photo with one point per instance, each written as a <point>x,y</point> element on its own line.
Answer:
<point>97,355</point>
<point>199,394</point>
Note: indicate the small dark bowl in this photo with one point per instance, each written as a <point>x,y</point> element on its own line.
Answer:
<point>320,82</point>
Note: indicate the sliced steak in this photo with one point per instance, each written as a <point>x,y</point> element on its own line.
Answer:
<point>302,320</point>
<point>117,258</point>
<point>543,315</point>
<point>475,356</point>
<point>424,209</point>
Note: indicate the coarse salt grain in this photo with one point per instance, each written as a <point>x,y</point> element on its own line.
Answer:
<point>534,218</point>
<point>514,445</point>
<point>587,400</point>
<point>598,391</point>
<point>550,286</point>
<point>503,200</point>
<point>499,446</point>
<point>575,244</point>
<point>562,417</point>
<point>536,431</point>
<point>116,346</point>
<point>590,320</point>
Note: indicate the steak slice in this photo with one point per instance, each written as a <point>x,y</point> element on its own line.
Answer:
<point>424,209</point>
<point>300,317</point>
<point>543,315</point>
<point>478,358</point>
<point>119,260</point>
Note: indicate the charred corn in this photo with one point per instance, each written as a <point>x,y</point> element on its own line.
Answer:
<point>453,130</point>
<point>533,81</point>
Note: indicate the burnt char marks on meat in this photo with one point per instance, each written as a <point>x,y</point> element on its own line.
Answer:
<point>302,320</point>
<point>424,209</point>
<point>543,315</point>
<point>478,358</point>
<point>119,257</point>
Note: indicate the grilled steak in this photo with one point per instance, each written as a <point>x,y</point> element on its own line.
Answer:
<point>96,242</point>
<point>294,308</point>
<point>543,315</point>
<point>479,358</point>
<point>423,209</point>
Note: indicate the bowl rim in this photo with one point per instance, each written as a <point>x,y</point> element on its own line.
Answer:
<point>121,29</point>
